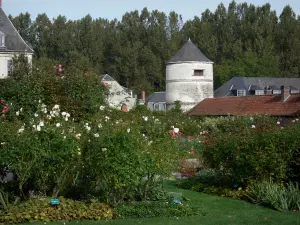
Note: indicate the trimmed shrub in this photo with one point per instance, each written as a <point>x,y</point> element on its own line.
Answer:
<point>155,209</point>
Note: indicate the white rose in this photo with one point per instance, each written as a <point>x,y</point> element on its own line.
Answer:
<point>176,130</point>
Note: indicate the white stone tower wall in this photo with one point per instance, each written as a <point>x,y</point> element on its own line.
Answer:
<point>183,86</point>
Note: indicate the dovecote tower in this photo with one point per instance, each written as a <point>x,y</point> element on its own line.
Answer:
<point>189,77</point>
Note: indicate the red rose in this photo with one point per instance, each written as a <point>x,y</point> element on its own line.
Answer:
<point>2,100</point>
<point>5,109</point>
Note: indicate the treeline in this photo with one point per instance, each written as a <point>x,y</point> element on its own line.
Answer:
<point>242,40</point>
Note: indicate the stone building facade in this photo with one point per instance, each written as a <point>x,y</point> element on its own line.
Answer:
<point>119,97</point>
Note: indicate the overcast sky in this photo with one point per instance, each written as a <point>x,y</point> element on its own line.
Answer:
<point>110,9</point>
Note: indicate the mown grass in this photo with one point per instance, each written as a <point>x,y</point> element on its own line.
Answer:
<point>218,211</point>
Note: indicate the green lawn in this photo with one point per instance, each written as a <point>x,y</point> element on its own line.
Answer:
<point>218,211</point>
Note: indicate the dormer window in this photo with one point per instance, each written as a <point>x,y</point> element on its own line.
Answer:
<point>2,39</point>
<point>241,93</point>
<point>198,72</point>
<point>259,92</point>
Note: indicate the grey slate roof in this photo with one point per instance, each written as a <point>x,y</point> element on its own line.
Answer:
<point>13,41</point>
<point>157,97</point>
<point>189,52</point>
<point>255,83</point>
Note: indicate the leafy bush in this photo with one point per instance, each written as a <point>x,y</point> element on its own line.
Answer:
<point>36,210</point>
<point>273,195</point>
<point>205,178</point>
<point>256,149</point>
<point>113,159</point>
<point>294,167</point>
<point>137,162</point>
<point>76,93</point>
<point>155,209</point>
<point>41,153</point>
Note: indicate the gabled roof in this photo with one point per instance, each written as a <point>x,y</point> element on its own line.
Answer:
<point>248,105</point>
<point>13,41</point>
<point>188,53</point>
<point>255,83</point>
<point>106,77</point>
<point>157,97</point>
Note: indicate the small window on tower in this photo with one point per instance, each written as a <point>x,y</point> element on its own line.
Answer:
<point>198,72</point>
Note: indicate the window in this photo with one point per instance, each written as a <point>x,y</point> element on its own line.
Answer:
<point>294,91</point>
<point>259,92</point>
<point>161,107</point>
<point>276,92</point>
<point>9,66</point>
<point>156,107</point>
<point>241,93</point>
<point>2,39</point>
<point>198,72</point>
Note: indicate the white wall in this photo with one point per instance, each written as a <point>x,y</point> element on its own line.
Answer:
<point>118,96</point>
<point>183,86</point>
<point>4,57</point>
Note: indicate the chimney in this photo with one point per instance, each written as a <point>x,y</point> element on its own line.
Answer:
<point>143,93</point>
<point>124,108</point>
<point>0,3</point>
<point>285,93</point>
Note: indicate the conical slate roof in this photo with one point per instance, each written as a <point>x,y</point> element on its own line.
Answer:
<point>13,41</point>
<point>189,52</point>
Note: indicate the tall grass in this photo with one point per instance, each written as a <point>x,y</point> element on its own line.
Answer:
<point>279,197</point>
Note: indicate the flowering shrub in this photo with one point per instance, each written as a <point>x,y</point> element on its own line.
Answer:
<point>247,152</point>
<point>77,94</point>
<point>107,157</point>
<point>42,149</point>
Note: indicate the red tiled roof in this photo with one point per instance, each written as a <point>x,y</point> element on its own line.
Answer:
<point>248,105</point>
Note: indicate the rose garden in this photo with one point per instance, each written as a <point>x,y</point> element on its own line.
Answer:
<point>69,157</point>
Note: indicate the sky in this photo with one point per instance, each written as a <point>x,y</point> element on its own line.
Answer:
<point>110,9</point>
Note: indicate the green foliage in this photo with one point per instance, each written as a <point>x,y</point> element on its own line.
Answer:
<point>252,148</point>
<point>79,94</point>
<point>40,210</point>
<point>21,68</point>
<point>280,197</point>
<point>209,181</point>
<point>242,39</point>
<point>39,154</point>
<point>155,209</point>
<point>52,154</point>
<point>137,157</point>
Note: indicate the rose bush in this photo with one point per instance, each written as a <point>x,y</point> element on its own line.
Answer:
<point>252,148</point>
